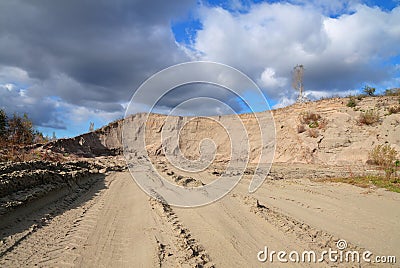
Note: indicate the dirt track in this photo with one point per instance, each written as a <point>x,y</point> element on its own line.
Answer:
<point>113,223</point>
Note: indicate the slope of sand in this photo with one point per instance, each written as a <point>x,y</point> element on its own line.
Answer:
<point>340,139</point>
<point>115,224</point>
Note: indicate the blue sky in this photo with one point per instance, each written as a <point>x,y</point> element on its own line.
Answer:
<point>67,73</point>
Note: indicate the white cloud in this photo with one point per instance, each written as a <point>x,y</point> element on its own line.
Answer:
<point>367,34</point>
<point>8,86</point>
<point>267,41</point>
<point>8,73</point>
<point>284,101</point>
<point>329,7</point>
<point>269,80</point>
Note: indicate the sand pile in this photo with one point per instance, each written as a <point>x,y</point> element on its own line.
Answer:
<point>24,182</point>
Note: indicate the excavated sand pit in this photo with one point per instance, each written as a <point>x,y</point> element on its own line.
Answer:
<point>90,212</point>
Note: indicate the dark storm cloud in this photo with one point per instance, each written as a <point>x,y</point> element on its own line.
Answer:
<point>337,77</point>
<point>190,100</point>
<point>88,53</point>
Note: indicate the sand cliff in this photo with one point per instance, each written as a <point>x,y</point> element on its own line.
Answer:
<point>337,139</point>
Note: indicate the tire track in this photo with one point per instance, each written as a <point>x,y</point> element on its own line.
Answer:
<point>47,241</point>
<point>316,239</point>
<point>185,249</point>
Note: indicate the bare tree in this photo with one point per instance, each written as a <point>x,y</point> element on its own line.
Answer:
<point>91,127</point>
<point>297,82</point>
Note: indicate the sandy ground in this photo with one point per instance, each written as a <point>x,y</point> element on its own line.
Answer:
<point>114,224</point>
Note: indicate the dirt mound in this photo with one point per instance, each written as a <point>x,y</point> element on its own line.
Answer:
<point>23,182</point>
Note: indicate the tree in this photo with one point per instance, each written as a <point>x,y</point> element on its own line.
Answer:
<point>91,127</point>
<point>17,130</point>
<point>370,91</point>
<point>3,125</point>
<point>21,130</point>
<point>40,138</point>
<point>297,82</point>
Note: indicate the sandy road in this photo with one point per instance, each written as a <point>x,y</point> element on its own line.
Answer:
<point>114,224</point>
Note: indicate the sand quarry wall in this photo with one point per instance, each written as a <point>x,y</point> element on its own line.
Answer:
<point>338,139</point>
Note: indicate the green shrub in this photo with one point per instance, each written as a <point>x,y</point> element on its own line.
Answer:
<point>352,102</point>
<point>360,96</point>
<point>313,124</point>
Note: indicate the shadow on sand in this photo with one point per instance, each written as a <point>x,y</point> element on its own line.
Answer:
<point>29,217</point>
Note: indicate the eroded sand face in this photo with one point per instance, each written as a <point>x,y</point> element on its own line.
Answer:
<point>340,140</point>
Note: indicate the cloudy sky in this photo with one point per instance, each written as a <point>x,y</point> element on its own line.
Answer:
<point>68,63</point>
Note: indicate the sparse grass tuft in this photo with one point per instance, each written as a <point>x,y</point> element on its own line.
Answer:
<point>361,96</point>
<point>322,123</point>
<point>313,133</point>
<point>394,109</point>
<point>368,181</point>
<point>385,156</point>
<point>309,117</point>
<point>368,117</point>
<point>313,121</point>
<point>300,128</point>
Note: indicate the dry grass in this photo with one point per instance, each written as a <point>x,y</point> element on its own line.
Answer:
<point>368,181</point>
<point>301,128</point>
<point>313,133</point>
<point>313,121</point>
<point>323,123</point>
<point>394,109</point>
<point>309,117</point>
<point>368,117</point>
<point>20,154</point>
<point>385,157</point>
<point>392,92</point>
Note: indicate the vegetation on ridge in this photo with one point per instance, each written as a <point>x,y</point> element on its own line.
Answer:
<point>16,135</point>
